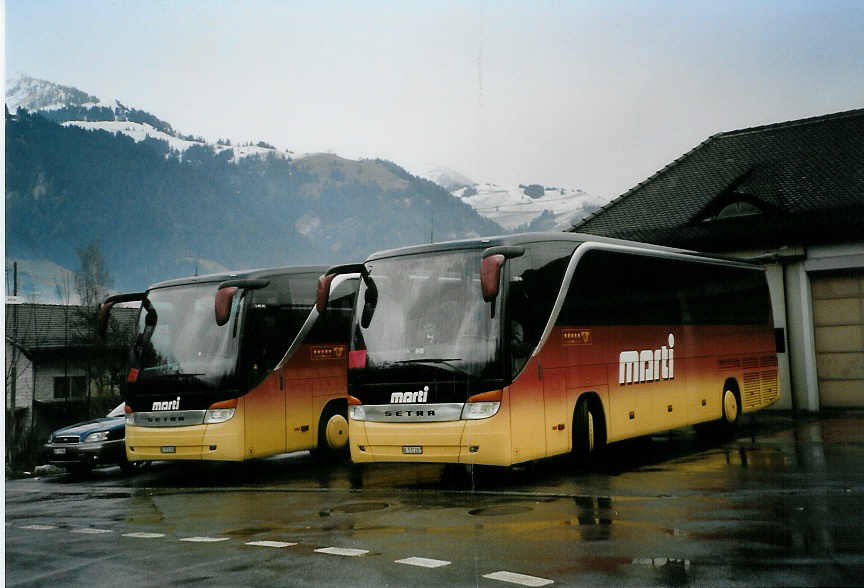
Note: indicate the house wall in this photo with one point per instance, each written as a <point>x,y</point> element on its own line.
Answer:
<point>836,276</point>
<point>48,369</point>
<point>23,380</point>
<point>817,294</point>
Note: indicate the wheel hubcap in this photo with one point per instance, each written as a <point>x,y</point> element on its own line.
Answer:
<point>590,431</point>
<point>730,405</point>
<point>336,432</point>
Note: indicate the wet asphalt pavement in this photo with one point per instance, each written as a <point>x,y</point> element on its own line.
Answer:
<point>779,504</point>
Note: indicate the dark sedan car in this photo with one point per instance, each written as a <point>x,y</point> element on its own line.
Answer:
<point>99,442</point>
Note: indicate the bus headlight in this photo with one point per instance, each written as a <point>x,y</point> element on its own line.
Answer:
<point>130,418</point>
<point>218,415</point>
<point>480,410</point>
<point>357,412</point>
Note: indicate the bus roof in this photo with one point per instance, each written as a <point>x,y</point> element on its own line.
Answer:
<point>525,238</point>
<point>241,275</point>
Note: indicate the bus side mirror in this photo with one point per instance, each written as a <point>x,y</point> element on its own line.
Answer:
<point>322,296</point>
<point>225,296</point>
<point>369,305</point>
<point>490,276</point>
<point>490,268</point>
<point>102,320</point>
<point>108,304</point>
<point>222,306</point>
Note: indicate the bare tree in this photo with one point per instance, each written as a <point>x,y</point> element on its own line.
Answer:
<point>92,279</point>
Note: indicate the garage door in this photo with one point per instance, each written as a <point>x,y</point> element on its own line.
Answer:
<point>838,320</point>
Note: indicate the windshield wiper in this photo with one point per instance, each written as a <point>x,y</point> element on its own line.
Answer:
<point>430,360</point>
<point>170,370</point>
<point>436,361</point>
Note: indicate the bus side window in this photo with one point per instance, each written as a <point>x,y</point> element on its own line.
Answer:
<point>620,289</point>
<point>535,279</point>
<point>334,325</point>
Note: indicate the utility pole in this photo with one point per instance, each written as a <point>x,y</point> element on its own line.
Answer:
<point>13,383</point>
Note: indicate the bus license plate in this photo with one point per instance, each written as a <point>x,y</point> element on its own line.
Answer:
<point>169,449</point>
<point>59,451</point>
<point>412,449</point>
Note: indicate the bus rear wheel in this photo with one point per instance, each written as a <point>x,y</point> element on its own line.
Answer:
<point>731,409</point>
<point>587,436</point>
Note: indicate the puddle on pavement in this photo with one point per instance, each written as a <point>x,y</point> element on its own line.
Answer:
<point>360,507</point>
<point>249,531</point>
<point>500,510</point>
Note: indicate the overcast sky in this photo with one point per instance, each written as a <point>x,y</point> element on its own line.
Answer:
<point>597,95</point>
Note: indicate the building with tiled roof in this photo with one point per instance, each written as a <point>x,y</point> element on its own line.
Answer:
<point>790,195</point>
<point>55,364</point>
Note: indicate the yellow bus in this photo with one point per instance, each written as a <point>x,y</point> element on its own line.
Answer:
<point>507,349</point>
<point>237,366</point>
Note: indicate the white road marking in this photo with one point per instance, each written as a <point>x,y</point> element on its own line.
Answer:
<point>90,531</point>
<point>204,539</point>
<point>520,579</point>
<point>347,551</point>
<point>38,527</point>
<point>144,535</point>
<point>423,562</point>
<point>270,544</point>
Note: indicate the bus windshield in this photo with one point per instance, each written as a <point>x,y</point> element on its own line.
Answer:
<point>185,341</point>
<point>429,313</point>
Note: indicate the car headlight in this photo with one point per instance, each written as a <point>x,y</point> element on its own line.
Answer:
<point>218,415</point>
<point>95,437</point>
<point>480,410</point>
<point>357,412</point>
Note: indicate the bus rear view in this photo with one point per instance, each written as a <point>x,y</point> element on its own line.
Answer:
<point>210,376</point>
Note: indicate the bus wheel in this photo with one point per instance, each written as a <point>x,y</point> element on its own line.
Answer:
<point>585,432</point>
<point>336,432</point>
<point>332,431</point>
<point>731,409</point>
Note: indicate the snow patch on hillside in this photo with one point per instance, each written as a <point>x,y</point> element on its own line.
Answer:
<point>511,207</point>
<point>140,131</point>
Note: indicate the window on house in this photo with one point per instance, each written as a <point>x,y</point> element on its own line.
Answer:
<point>735,209</point>
<point>73,386</point>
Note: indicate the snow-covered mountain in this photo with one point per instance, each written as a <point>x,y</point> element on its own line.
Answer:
<point>33,94</point>
<point>519,207</point>
<point>72,107</point>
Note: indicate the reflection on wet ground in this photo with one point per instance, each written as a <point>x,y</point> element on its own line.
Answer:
<point>784,497</point>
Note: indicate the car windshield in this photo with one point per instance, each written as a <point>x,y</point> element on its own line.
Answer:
<point>186,341</point>
<point>429,311</point>
<point>118,411</point>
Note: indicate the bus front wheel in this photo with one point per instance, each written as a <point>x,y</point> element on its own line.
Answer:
<point>332,431</point>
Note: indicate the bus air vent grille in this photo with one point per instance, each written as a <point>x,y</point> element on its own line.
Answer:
<point>751,363</point>
<point>752,394</point>
<point>769,388</point>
